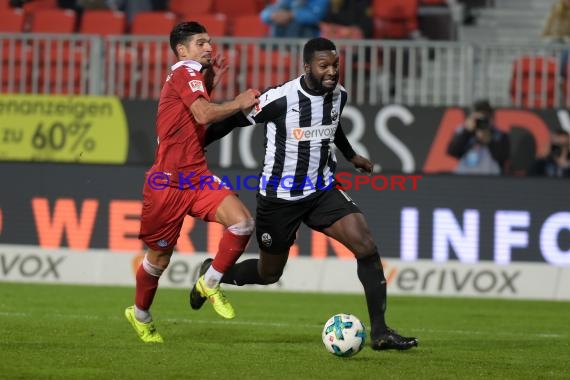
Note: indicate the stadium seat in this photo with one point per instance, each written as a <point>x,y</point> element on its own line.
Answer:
<point>184,7</point>
<point>216,24</point>
<point>4,5</point>
<point>53,21</point>
<point>34,5</point>
<point>249,25</point>
<point>103,22</point>
<point>394,19</point>
<point>11,20</point>
<point>15,52</point>
<point>232,8</point>
<point>272,66</point>
<point>534,77</point>
<point>29,7</point>
<point>153,23</point>
<point>153,56</point>
<point>60,60</point>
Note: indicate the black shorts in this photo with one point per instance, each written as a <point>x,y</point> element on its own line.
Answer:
<point>277,221</point>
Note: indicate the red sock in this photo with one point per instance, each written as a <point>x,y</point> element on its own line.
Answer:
<point>145,289</point>
<point>230,249</point>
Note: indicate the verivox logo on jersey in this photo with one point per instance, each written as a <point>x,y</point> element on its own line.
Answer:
<point>318,133</point>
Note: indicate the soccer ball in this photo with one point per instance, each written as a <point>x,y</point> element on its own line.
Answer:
<point>344,335</point>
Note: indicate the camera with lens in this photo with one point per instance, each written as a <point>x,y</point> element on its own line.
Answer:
<point>483,123</point>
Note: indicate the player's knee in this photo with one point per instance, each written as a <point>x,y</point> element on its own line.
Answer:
<point>154,268</point>
<point>245,227</point>
<point>365,247</point>
<point>156,262</point>
<point>270,276</point>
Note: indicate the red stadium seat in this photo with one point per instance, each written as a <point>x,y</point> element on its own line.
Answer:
<point>53,21</point>
<point>154,57</point>
<point>34,5</point>
<point>4,5</point>
<point>16,55</point>
<point>216,24</point>
<point>59,58</point>
<point>153,23</point>
<point>232,8</point>
<point>103,22</point>
<point>249,26</point>
<point>268,60</point>
<point>395,19</point>
<point>532,78</point>
<point>11,20</point>
<point>185,7</point>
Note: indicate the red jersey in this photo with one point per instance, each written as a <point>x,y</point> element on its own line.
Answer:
<point>180,137</point>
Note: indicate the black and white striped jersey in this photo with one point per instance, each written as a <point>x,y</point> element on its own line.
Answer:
<point>300,127</point>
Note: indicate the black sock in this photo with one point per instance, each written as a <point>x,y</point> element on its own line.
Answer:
<point>371,275</point>
<point>243,273</point>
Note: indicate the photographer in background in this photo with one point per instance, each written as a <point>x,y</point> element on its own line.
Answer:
<point>557,163</point>
<point>480,147</point>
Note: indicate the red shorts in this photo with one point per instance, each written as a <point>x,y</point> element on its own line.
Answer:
<point>164,210</point>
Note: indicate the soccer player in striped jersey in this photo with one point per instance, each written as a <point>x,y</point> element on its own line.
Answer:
<point>302,121</point>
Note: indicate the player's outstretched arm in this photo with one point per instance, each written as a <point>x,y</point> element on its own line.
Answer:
<point>218,130</point>
<point>207,113</point>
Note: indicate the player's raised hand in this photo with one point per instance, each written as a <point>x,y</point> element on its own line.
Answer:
<point>219,67</point>
<point>214,73</point>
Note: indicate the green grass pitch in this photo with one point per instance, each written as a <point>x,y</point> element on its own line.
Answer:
<point>79,332</point>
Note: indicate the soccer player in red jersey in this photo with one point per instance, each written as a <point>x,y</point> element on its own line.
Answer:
<point>174,185</point>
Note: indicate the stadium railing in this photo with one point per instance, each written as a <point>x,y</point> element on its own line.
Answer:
<point>417,73</point>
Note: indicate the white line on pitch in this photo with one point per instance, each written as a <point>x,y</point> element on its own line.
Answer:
<point>268,324</point>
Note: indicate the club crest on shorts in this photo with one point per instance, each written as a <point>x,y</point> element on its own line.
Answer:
<point>162,243</point>
<point>266,240</point>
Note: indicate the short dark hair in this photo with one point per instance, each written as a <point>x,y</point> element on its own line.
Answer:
<point>316,44</point>
<point>183,32</point>
<point>483,106</point>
